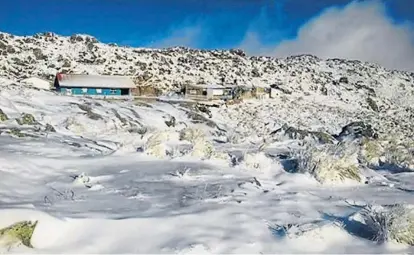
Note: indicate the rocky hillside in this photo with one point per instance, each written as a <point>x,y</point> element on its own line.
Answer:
<point>370,90</point>
<point>45,54</point>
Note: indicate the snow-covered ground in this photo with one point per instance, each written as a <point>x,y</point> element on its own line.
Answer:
<point>304,172</point>
<point>107,176</point>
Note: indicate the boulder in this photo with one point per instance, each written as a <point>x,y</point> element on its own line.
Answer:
<point>170,122</point>
<point>355,130</point>
<point>294,133</point>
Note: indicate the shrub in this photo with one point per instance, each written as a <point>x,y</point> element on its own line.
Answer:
<point>192,135</point>
<point>395,223</point>
<point>26,119</point>
<point>155,146</point>
<point>3,116</point>
<point>329,163</point>
<point>392,152</point>
<point>16,133</point>
<point>201,147</point>
<point>20,232</point>
<point>372,151</point>
<point>399,155</point>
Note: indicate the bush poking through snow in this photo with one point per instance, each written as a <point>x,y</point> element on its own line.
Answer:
<point>395,223</point>
<point>201,147</point>
<point>20,232</point>
<point>192,135</point>
<point>16,133</point>
<point>400,155</point>
<point>155,146</point>
<point>391,153</point>
<point>330,163</point>
<point>372,150</point>
<point>49,128</point>
<point>26,119</point>
<point>3,116</point>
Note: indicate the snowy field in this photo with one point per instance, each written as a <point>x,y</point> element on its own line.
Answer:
<point>118,177</point>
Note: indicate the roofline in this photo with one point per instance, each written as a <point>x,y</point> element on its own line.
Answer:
<point>98,87</point>
<point>103,75</point>
<point>207,86</point>
<point>84,81</point>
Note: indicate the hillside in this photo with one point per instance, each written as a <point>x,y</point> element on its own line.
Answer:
<point>325,167</point>
<point>373,92</point>
<point>45,54</point>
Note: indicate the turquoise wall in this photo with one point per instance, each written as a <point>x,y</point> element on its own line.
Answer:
<point>92,91</point>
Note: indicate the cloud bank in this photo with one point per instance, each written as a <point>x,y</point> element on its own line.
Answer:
<point>359,30</point>
<point>187,36</point>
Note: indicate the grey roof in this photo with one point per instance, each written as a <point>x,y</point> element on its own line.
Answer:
<point>207,86</point>
<point>95,81</point>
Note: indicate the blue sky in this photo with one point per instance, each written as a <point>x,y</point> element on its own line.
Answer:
<point>143,22</point>
<point>258,26</point>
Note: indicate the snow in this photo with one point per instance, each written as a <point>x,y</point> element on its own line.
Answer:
<point>36,83</point>
<point>115,178</point>
<point>92,192</point>
<point>95,81</point>
<point>5,81</point>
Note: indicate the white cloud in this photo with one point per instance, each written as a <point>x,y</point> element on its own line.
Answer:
<point>187,36</point>
<point>360,30</point>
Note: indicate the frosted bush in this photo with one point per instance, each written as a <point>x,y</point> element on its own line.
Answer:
<point>329,163</point>
<point>220,155</point>
<point>372,151</point>
<point>18,233</point>
<point>155,144</point>
<point>391,152</point>
<point>395,223</point>
<point>400,155</point>
<point>178,150</point>
<point>192,135</point>
<point>201,147</point>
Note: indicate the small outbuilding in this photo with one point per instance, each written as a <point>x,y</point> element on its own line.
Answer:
<point>94,85</point>
<point>208,92</point>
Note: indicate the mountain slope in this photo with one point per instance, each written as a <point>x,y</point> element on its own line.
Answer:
<point>153,177</point>
<point>372,91</point>
<point>45,54</point>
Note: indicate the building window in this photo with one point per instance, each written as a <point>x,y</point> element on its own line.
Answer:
<point>112,91</point>
<point>99,91</point>
<point>84,90</point>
